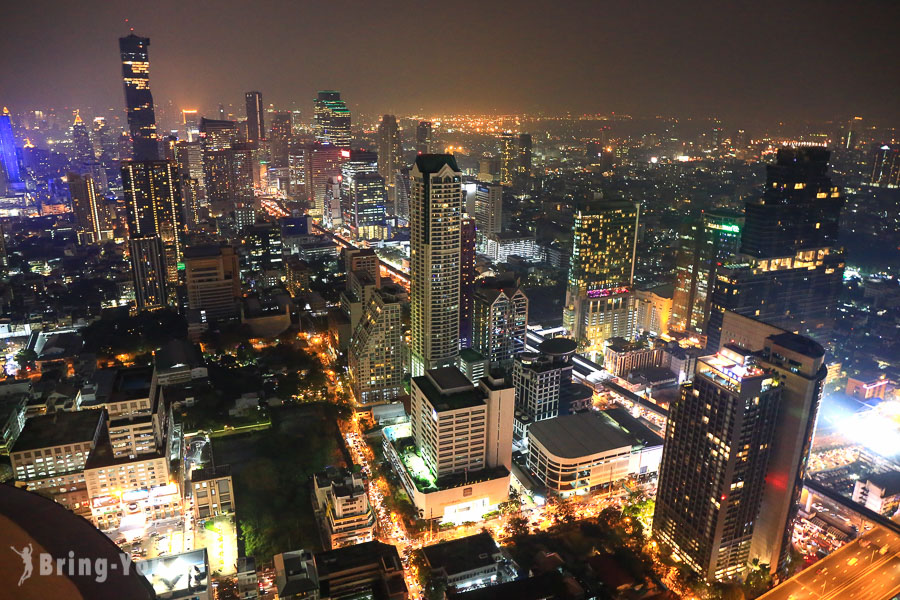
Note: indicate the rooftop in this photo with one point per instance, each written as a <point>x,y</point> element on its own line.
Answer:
<point>332,562</point>
<point>558,346</point>
<point>888,481</point>
<point>448,389</point>
<point>60,428</point>
<point>799,344</point>
<point>463,554</point>
<point>581,434</point>
<point>432,163</point>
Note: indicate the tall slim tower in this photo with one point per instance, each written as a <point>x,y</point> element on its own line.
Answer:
<point>466,280</point>
<point>332,124</point>
<point>390,157</point>
<point>435,213</point>
<point>91,219</point>
<point>138,99</point>
<point>598,297</point>
<point>424,137</point>
<point>81,141</point>
<point>8,157</point>
<point>155,225</point>
<point>256,127</point>
<point>789,270</point>
<point>509,157</point>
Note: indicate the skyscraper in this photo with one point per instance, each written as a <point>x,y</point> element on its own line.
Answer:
<point>138,99</point>
<point>789,270</point>
<point>509,157</point>
<point>790,363</point>
<point>365,216</point>
<point>81,142</point>
<point>489,208</point>
<point>435,213</point>
<point>390,157</point>
<point>424,138</point>
<point>92,222</point>
<point>467,243</point>
<point>706,244</point>
<point>523,164</point>
<point>598,296</point>
<point>154,211</point>
<point>217,139</point>
<point>213,280</point>
<point>280,139</point>
<point>500,321</point>
<point>264,248</point>
<point>8,157</point>
<point>713,470</point>
<point>376,350</point>
<point>332,124</point>
<point>256,126</point>
<point>886,167</point>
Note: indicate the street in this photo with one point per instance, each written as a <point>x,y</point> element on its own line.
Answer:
<point>866,569</point>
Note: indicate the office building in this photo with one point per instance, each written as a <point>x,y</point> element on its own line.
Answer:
<point>92,221</point>
<point>376,350</point>
<point>332,120</point>
<point>886,166</point>
<point>390,158</point>
<point>467,245</point>
<point>489,169</point>
<point>256,123</point>
<point>500,321</point>
<point>343,504</point>
<point>425,138</point>
<point>488,208</point>
<point>454,455</point>
<point>472,364</point>
<point>264,248</point>
<point>705,244</point>
<point>365,215</point>
<point>190,124</point>
<point>589,451</point>
<point>790,268</point>
<point>138,99</point>
<point>544,385</point>
<point>213,281</point>
<point>217,138</point>
<point>280,139</point>
<point>653,310</point>
<point>323,161</point>
<point>621,356</point>
<point>598,296</point>
<point>189,162</point>
<point>713,473</point>
<point>435,214</point>
<point>523,164</point>
<point>499,247</point>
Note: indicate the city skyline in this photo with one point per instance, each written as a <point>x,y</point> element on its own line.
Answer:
<point>690,61</point>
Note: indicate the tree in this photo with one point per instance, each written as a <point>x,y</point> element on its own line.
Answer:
<point>517,526</point>
<point>25,356</point>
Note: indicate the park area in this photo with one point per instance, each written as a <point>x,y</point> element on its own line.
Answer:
<point>271,471</point>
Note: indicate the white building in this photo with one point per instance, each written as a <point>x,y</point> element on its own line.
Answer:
<point>455,454</point>
<point>501,245</point>
<point>435,213</point>
<point>879,492</point>
<point>376,350</point>
<point>344,506</point>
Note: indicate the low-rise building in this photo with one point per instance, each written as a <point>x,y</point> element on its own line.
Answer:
<point>368,570</point>
<point>621,357</point>
<point>879,492</point>
<point>213,491</point>
<point>343,504</point>
<point>247,581</point>
<point>585,452</point>
<point>469,562</point>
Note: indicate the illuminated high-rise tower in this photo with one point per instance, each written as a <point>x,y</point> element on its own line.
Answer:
<point>256,127</point>
<point>138,99</point>
<point>390,157</point>
<point>790,268</point>
<point>91,217</point>
<point>332,119</point>
<point>435,213</point>
<point>598,297</point>
<point>83,149</point>
<point>8,149</point>
<point>509,157</point>
<point>155,227</point>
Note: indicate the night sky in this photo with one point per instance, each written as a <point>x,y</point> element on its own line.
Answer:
<point>742,61</point>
